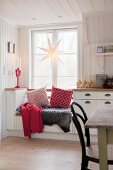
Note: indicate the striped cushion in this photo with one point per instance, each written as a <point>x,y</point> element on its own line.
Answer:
<point>38,97</point>
<point>60,98</point>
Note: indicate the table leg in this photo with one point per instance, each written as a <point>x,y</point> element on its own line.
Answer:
<point>102,142</point>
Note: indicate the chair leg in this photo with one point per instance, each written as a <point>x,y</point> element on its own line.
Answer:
<point>84,165</point>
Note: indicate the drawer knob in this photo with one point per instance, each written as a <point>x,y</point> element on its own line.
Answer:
<point>87,102</point>
<point>107,95</point>
<point>87,94</point>
<point>107,102</point>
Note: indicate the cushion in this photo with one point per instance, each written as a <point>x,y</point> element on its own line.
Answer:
<point>60,98</point>
<point>38,97</point>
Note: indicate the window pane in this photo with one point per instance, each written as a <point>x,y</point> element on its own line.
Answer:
<point>66,82</point>
<point>41,41</point>
<point>41,66</point>
<point>66,65</point>
<point>42,81</point>
<point>68,42</point>
<point>67,70</point>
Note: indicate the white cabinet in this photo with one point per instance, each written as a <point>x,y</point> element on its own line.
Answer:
<point>10,105</point>
<point>89,100</point>
<point>89,106</point>
<point>14,98</point>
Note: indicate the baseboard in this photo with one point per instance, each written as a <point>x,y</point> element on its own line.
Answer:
<point>4,134</point>
<point>50,135</point>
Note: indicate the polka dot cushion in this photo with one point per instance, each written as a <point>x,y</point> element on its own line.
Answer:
<point>60,98</point>
<point>38,97</point>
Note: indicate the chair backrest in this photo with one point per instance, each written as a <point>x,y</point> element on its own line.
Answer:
<point>78,126</point>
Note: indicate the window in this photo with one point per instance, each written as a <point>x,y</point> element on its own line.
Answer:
<point>61,70</point>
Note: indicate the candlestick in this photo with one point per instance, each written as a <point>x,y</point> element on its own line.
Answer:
<point>18,73</point>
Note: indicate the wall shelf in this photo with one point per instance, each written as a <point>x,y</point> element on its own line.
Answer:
<point>104,54</point>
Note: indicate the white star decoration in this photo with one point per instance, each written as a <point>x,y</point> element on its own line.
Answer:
<point>51,50</point>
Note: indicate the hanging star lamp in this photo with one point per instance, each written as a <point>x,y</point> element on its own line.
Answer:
<point>51,50</point>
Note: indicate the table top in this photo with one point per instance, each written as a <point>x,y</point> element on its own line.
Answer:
<point>101,117</point>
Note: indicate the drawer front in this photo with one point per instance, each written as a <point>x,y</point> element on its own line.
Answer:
<point>77,95</point>
<point>84,95</point>
<point>104,103</point>
<point>105,95</point>
<point>89,95</point>
<point>89,106</point>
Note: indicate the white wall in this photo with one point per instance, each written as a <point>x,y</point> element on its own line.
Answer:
<point>97,30</point>
<point>8,33</point>
<point>24,53</point>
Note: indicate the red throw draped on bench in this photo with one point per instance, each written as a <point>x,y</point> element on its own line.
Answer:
<point>32,119</point>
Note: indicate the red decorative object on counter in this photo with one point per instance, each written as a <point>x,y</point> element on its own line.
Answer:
<point>18,73</point>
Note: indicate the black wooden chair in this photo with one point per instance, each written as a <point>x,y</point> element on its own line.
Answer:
<point>89,151</point>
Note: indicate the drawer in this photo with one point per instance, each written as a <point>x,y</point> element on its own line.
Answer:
<point>104,103</point>
<point>77,95</point>
<point>105,95</point>
<point>85,95</point>
<point>89,95</point>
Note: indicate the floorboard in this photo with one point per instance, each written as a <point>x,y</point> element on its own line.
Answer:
<point>18,153</point>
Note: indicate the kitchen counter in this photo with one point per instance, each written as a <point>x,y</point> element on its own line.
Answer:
<point>92,89</point>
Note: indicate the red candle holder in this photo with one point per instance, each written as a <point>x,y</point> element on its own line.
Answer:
<point>18,73</point>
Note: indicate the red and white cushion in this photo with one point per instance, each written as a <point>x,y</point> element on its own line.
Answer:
<point>38,97</point>
<point>60,98</point>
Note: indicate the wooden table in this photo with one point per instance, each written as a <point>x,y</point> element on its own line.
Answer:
<point>102,119</point>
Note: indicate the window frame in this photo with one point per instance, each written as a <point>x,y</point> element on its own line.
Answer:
<point>54,31</point>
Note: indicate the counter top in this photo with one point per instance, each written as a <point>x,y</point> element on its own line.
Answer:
<point>77,89</point>
<point>92,89</point>
<point>12,88</point>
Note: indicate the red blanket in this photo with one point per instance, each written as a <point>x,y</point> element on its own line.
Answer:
<point>32,119</point>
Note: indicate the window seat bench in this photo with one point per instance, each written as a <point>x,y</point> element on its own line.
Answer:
<point>14,98</point>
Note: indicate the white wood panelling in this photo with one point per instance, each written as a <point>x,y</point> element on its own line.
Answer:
<point>24,52</point>
<point>99,28</point>
<point>75,8</point>
<point>98,5</point>
<point>86,6</point>
<point>36,12</point>
<point>97,31</point>
<point>32,12</point>
<point>8,33</point>
<point>109,5</point>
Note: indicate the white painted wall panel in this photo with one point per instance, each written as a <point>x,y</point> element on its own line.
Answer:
<point>97,30</point>
<point>8,33</point>
<point>24,52</point>
<point>86,6</point>
<point>98,5</point>
<point>93,62</point>
<point>85,36</point>
<point>109,5</point>
<point>86,63</point>
<point>101,28</point>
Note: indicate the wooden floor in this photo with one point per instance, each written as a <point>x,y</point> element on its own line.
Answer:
<point>40,154</point>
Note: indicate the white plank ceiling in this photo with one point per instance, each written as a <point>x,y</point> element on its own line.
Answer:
<point>34,12</point>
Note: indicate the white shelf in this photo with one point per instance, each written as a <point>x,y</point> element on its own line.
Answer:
<point>104,54</point>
